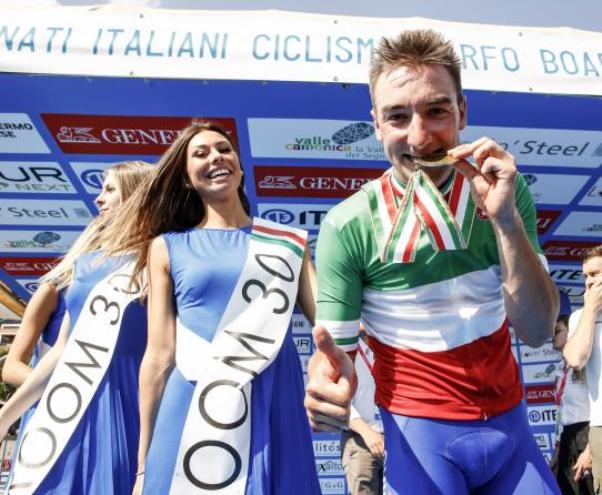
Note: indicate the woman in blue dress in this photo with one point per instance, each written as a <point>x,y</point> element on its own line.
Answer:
<point>43,315</point>
<point>221,385</point>
<point>97,453</point>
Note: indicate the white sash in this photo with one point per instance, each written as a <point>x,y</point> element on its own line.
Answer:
<point>213,456</point>
<point>78,373</point>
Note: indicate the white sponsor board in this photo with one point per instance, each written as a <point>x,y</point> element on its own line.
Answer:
<point>558,189</point>
<point>327,448</point>
<point>304,359</point>
<point>309,138</point>
<point>34,177</point>
<point>303,343</point>
<point>575,293</point>
<point>37,241</point>
<point>90,175</point>
<point>546,147</point>
<point>43,212</point>
<point>575,296</point>
<point>114,40</point>
<point>312,241</point>
<point>29,284</point>
<point>329,467</point>
<point>542,415</point>
<point>545,353</point>
<point>574,290</point>
<point>331,486</point>
<point>566,274</point>
<point>304,216</point>
<point>581,224</point>
<point>542,440</point>
<point>17,132</point>
<point>300,324</point>
<point>593,196</point>
<point>540,373</point>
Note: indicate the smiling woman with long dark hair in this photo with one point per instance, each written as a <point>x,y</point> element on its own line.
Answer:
<point>221,387</point>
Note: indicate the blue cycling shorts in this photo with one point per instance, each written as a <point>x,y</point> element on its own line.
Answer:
<point>497,456</point>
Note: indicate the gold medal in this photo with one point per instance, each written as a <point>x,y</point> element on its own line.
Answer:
<point>434,160</point>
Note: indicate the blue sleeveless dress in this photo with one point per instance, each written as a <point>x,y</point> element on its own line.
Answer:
<point>205,265</point>
<point>101,456</point>
<point>47,340</point>
<point>51,332</point>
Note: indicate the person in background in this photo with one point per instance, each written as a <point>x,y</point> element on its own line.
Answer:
<point>583,351</point>
<point>570,462</point>
<point>363,444</point>
<point>82,436</point>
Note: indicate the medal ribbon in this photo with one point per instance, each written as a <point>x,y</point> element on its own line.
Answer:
<point>423,209</point>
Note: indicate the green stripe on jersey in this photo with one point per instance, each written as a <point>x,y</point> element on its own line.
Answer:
<point>346,341</point>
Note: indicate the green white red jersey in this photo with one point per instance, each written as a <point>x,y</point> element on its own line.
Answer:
<point>437,325</point>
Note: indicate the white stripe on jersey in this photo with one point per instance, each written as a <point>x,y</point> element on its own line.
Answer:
<point>438,316</point>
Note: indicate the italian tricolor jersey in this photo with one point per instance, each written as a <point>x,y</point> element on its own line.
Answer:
<point>437,325</point>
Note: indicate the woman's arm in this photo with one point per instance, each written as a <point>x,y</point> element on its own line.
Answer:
<point>159,357</point>
<point>37,314</point>
<point>308,288</point>
<point>32,388</point>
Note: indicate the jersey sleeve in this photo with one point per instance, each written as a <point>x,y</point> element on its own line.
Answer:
<point>339,287</point>
<point>526,209</point>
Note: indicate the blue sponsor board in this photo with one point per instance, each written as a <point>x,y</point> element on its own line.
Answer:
<point>556,139</point>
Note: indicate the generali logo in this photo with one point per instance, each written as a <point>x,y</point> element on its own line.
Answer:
<point>566,250</point>
<point>539,394</point>
<point>76,135</point>
<point>128,135</point>
<point>315,182</point>
<point>28,266</point>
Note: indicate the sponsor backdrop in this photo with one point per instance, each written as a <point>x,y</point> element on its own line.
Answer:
<point>304,146</point>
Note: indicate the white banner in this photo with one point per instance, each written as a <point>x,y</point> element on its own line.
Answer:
<point>271,45</point>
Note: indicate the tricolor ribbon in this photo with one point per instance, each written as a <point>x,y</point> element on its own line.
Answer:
<point>422,209</point>
<point>560,383</point>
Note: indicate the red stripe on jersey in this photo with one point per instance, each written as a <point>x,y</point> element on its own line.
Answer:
<point>473,381</point>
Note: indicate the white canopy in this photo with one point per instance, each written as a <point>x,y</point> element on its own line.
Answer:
<point>130,41</point>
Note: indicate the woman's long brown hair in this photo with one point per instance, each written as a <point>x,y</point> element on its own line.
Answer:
<point>163,203</point>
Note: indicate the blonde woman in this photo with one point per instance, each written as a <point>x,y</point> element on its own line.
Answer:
<point>44,313</point>
<point>82,437</point>
<point>221,388</point>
